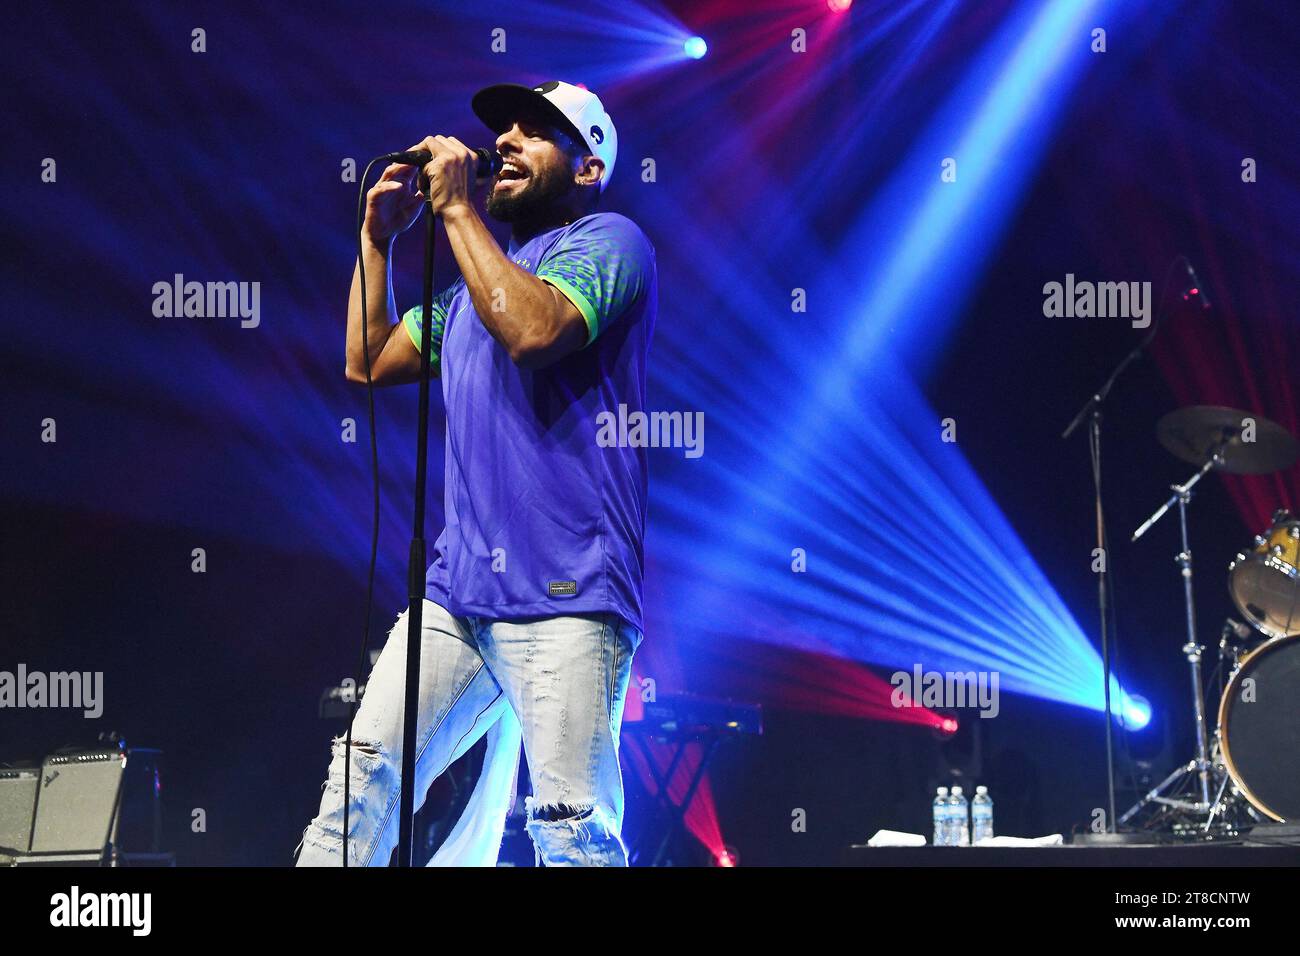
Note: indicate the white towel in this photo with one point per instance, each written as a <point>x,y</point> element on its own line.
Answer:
<point>1052,839</point>
<point>895,838</point>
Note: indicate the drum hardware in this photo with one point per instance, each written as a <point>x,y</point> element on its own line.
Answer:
<point>1230,807</point>
<point>1235,640</point>
<point>1192,650</point>
<point>1215,438</point>
<point>1091,412</point>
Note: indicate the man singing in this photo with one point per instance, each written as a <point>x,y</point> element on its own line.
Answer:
<point>532,608</point>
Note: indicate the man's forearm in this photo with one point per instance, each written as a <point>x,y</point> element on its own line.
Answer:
<point>381,310</point>
<point>517,308</point>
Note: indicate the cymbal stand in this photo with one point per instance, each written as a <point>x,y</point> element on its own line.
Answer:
<point>1200,767</point>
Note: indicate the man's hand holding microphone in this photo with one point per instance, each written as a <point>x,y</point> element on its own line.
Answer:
<point>393,203</point>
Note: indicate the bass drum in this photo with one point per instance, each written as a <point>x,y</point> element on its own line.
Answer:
<point>1259,728</point>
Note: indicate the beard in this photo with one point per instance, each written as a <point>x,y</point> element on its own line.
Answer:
<point>536,201</point>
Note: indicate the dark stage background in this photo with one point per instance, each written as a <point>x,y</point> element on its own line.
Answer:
<point>774,170</point>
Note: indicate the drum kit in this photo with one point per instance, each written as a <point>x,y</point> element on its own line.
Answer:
<point>1246,769</point>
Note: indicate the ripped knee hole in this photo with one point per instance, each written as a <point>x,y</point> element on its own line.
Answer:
<point>561,811</point>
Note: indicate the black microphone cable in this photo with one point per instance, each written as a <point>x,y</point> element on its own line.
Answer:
<point>374,528</point>
<point>489,162</point>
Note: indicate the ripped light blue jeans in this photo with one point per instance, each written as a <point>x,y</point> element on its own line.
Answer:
<point>563,679</point>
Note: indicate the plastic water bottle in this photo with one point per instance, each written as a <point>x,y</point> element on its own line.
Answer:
<point>981,814</point>
<point>940,812</point>
<point>959,823</point>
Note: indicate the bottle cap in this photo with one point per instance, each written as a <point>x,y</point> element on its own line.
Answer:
<point>981,789</point>
<point>942,792</point>
<point>956,791</point>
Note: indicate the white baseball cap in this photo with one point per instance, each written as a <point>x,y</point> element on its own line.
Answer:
<point>573,109</point>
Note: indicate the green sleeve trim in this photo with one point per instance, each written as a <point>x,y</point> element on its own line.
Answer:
<point>579,302</point>
<point>408,323</point>
<point>412,326</point>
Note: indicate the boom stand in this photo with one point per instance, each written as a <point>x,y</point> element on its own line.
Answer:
<point>1200,766</point>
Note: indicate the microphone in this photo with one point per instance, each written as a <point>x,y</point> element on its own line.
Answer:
<point>489,160</point>
<point>1236,627</point>
<point>1196,288</point>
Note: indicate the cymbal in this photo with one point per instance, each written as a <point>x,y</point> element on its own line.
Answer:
<point>1192,434</point>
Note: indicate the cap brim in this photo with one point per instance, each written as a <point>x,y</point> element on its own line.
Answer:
<point>501,105</point>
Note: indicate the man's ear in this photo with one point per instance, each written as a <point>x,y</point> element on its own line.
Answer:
<point>589,173</point>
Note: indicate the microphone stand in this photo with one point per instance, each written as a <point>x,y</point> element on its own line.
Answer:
<point>416,562</point>
<point>1091,411</point>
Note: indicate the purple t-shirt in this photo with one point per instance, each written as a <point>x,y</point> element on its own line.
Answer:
<point>541,519</point>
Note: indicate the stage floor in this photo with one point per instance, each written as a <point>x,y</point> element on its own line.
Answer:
<point>1197,855</point>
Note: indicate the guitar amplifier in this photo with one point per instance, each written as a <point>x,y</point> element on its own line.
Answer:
<point>94,806</point>
<point>17,807</point>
